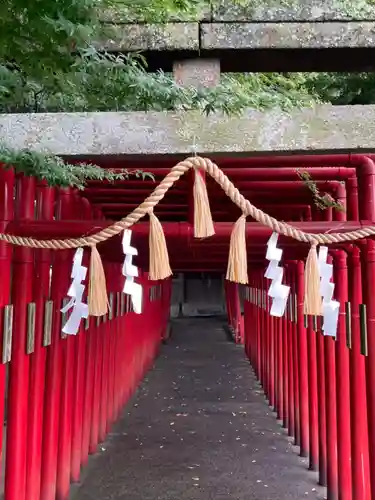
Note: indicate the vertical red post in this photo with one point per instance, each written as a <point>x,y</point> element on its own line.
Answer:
<point>263,313</point>
<point>105,360</point>
<point>302,364</point>
<point>284,339</point>
<point>89,389</point>
<point>237,313</point>
<point>44,211</point>
<point>22,290</point>
<point>342,380</point>
<point>271,327</point>
<point>313,396</point>
<point>266,341</point>
<point>331,416</point>
<point>352,190</point>
<point>296,377</point>
<point>52,396</point>
<point>358,400</point>
<point>276,371</point>
<point>83,209</point>
<point>322,430</point>
<point>68,358</point>
<point>280,368</point>
<point>112,337</point>
<point>6,215</point>
<point>291,403</point>
<point>369,300</point>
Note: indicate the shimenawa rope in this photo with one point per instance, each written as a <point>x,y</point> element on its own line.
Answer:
<point>158,194</point>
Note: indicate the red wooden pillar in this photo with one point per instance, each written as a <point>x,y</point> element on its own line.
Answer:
<point>6,216</point>
<point>358,400</point>
<point>237,312</point>
<point>313,396</point>
<point>331,415</point>
<point>342,380</point>
<point>322,422</point>
<point>296,378</point>
<point>284,331</point>
<point>18,394</point>
<point>96,389</point>
<point>112,337</point>
<point>302,364</point>
<point>272,386</point>
<point>68,360</point>
<point>291,381</point>
<point>280,367</point>
<point>369,300</point>
<point>44,211</point>
<point>261,331</point>
<point>77,453</point>
<point>106,339</point>
<point>89,388</point>
<point>61,268</point>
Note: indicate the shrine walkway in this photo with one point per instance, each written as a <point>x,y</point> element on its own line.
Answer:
<point>198,428</point>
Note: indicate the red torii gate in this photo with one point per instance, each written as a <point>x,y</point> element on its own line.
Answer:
<point>64,393</point>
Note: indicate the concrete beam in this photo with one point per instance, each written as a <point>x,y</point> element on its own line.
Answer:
<point>323,128</point>
<point>266,11</point>
<point>293,10</point>
<point>158,37</point>
<point>192,36</point>
<point>321,35</point>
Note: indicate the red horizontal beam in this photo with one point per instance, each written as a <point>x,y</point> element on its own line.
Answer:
<point>74,229</point>
<point>166,208</point>
<point>245,174</point>
<point>140,188</point>
<point>226,161</point>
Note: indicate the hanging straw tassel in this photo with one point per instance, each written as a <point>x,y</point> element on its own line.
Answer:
<point>203,225</point>
<point>237,262</point>
<point>97,299</point>
<point>313,299</point>
<point>159,259</point>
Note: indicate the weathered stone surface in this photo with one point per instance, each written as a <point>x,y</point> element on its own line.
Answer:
<point>327,127</point>
<point>293,10</point>
<point>134,37</point>
<point>237,35</point>
<point>119,14</point>
<point>287,35</point>
<point>267,10</point>
<point>197,72</point>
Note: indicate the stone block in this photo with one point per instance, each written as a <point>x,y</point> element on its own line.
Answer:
<point>219,36</point>
<point>134,37</point>
<point>293,10</point>
<point>197,72</point>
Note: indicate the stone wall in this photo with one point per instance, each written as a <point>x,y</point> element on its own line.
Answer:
<point>267,24</point>
<point>322,128</point>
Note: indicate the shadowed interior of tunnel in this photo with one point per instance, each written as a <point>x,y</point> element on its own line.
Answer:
<point>198,428</point>
<point>198,294</point>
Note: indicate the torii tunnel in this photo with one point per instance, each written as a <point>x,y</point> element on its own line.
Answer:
<point>62,396</point>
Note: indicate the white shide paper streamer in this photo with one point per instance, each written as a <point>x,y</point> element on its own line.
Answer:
<point>130,271</point>
<point>80,309</point>
<point>331,308</point>
<point>278,292</point>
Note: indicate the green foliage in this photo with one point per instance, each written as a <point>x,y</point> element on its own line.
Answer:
<point>159,11</point>
<point>48,63</point>
<point>108,82</point>
<point>342,88</point>
<point>57,172</point>
<point>153,11</point>
<point>321,200</point>
<point>39,71</point>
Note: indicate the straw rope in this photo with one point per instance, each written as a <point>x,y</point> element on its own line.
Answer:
<point>158,194</point>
